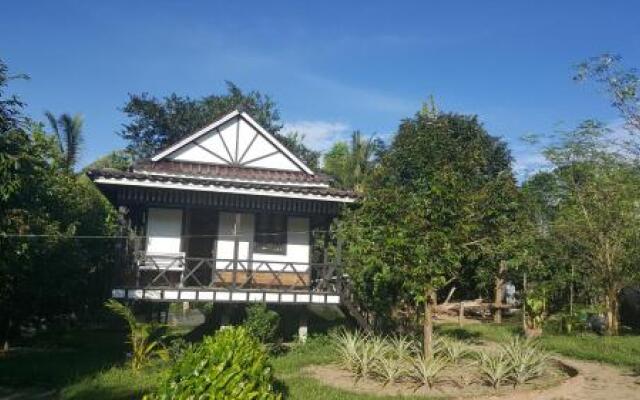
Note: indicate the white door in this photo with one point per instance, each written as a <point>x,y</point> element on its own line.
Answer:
<point>164,228</point>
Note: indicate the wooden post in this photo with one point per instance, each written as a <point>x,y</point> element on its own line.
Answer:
<point>461,313</point>
<point>498,292</point>
<point>236,248</point>
<point>524,302</point>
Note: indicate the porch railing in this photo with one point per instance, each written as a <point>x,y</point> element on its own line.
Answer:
<point>158,270</point>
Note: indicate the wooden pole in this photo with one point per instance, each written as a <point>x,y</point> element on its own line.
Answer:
<point>236,248</point>
<point>524,302</point>
<point>461,313</point>
<point>498,293</point>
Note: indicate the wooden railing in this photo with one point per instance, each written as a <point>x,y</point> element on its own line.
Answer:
<point>151,270</point>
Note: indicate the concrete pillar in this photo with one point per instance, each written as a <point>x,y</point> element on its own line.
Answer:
<point>224,320</point>
<point>303,327</point>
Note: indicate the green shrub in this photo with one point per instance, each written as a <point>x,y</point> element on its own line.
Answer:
<point>392,362</point>
<point>527,359</point>
<point>425,370</point>
<point>230,365</point>
<point>143,338</point>
<point>262,322</point>
<point>347,345</point>
<point>495,368</point>
<point>452,349</point>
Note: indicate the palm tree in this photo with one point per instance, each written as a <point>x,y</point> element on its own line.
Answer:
<point>350,163</point>
<point>68,130</point>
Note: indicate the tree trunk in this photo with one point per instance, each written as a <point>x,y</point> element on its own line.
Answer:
<point>611,300</point>
<point>428,323</point>
<point>498,293</point>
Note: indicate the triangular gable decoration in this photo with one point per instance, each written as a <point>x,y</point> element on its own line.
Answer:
<point>234,140</point>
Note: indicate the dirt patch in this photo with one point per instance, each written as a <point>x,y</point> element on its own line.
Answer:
<point>569,380</point>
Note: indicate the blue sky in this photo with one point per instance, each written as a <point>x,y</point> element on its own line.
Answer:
<point>331,66</point>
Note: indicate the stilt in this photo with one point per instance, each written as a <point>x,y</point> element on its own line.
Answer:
<point>303,327</point>
<point>224,320</point>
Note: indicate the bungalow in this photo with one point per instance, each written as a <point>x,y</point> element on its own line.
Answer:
<point>226,215</point>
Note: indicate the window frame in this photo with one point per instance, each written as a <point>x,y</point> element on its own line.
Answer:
<point>259,244</point>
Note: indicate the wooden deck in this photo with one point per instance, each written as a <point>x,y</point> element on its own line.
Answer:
<point>174,277</point>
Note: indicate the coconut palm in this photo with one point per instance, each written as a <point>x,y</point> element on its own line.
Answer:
<point>68,130</point>
<point>350,163</point>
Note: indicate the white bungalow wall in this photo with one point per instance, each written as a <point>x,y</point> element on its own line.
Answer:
<point>298,247</point>
<point>164,228</point>
<point>235,142</point>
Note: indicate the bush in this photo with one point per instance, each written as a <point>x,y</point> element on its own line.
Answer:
<point>425,370</point>
<point>230,365</point>
<point>452,349</point>
<point>262,323</point>
<point>495,368</point>
<point>143,338</point>
<point>527,359</point>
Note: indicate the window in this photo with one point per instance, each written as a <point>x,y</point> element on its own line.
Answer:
<point>271,234</point>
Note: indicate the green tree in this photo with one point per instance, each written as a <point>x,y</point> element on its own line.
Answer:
<point>45,272</point>
<point>68,131</point>
<point>621,84</point>
<point>350,163</point>
<point>117,159</point>
<point>157,123</point>
<point>424,212</point>
<point>10,105</point>
<point>597,217</point>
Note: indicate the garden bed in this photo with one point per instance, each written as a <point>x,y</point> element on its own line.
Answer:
<point>458,381</point>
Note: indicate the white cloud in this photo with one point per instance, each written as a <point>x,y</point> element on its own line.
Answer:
<point>319,135</point>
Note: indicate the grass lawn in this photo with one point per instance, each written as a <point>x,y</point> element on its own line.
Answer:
<point>91,365</point>
<point>617,350</point>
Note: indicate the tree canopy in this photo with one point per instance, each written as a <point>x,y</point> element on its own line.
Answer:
<point>157,123</point>
<point>429,208</point>
<point>45,271</point>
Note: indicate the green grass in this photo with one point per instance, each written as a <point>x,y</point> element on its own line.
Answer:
<point>616,350</point>
<point>116,383</point>
<point>91,364</point>
<point>56,360</point>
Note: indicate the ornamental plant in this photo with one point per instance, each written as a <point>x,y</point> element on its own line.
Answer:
<point>231,365</point>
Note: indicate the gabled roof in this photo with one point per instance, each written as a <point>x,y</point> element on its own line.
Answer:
<point>232,155</point>
<point>235,140</point>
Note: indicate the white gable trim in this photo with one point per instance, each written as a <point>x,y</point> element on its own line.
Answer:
<point>276,143</point>
<point>235,114</point>
<point>195,136</point>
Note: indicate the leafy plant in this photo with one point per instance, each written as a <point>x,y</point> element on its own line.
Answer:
<point>232,365</point>
<point>527,359</point>
<point>369,351</point>
<point>262,322</point>
<point>495,368</point>
<point>425,370</point>
<point>347,345</point>
<point>536,311</point>
<point>453,350</point>
<point>392,363</point>
<point>144,338</point>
